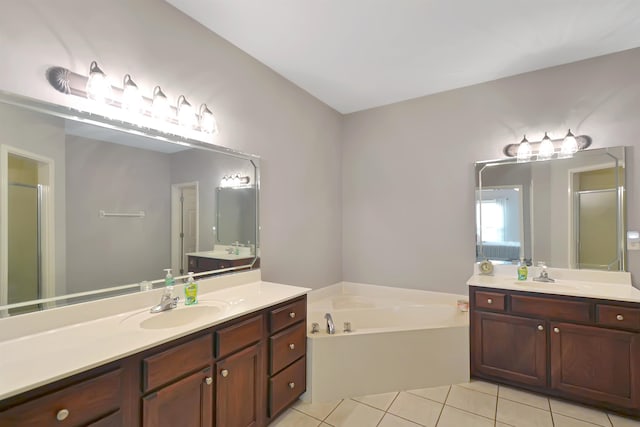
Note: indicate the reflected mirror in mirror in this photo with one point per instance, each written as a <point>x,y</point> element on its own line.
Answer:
<point>89,211</point>
<point>567,213</point>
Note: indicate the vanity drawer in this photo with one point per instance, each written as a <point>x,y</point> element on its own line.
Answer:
<point>285,316</point>
<point>577,311</point>
<point>618,317</point>
<point>287,346</point>
<point>287,386</point>
<point>76,405</point>
<point>490,300</point>
<point>171,364</point>
<point>238,336</point>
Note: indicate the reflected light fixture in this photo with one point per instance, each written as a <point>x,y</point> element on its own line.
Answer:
<point>160,104</point>
<point>207,121</point>
<point>524,150</point>
<point>234,180</point>
<point>546,150</point>
<point>186,115</point>
<point>98,86</point>
<point>569,146</point>
<point>131,96</point>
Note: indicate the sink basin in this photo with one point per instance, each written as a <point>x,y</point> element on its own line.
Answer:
<point>181,316</point>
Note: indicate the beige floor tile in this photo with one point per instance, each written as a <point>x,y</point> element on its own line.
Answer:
<point>390,420</point>
<point>351,414</point>
<point>579,412</point>
<point>525,397</point>
<point>520,415</point>
<point>619,421</point>
<point>499,424</point>
<point>439,394</point>
<point>563,421</point>
<point>472,401</point>
<point>293,418</point>
<point>416,409</point>
<point>452,417</point>
<point>318,410</point>
<point>481,386</point>
<point>379,401</point>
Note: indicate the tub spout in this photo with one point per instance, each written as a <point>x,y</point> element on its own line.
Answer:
<point>331,328</point>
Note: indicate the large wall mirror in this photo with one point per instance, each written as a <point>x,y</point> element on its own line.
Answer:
<point>567,213</point>
<point>90,208</point>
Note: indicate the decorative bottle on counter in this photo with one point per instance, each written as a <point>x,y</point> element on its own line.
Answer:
<point>522,270</point>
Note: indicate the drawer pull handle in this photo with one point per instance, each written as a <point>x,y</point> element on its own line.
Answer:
<point>620,317</point>
<point>489,301</point>
<point>292,315</point>
<point>224,372</point>
<point>62,414</point>
<point>208,380</point>
<point>540,328</point>
<point>292,385</point>
<point>292,346</point>
<point>556,330</point>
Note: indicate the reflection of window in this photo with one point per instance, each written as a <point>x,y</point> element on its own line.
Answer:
<point>493,214</point>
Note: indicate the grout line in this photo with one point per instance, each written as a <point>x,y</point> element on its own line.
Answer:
<point>495,414</point>
<point>304,413</point>
<point>333,410</point>
<point>443,405</point>
<point>472,413</point>
<point>430,400</point>
<point>553,422</point>
<point>463,385</point>
<point>609,418</point>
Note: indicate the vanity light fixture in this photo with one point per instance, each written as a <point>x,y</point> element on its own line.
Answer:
<point>234,180</point>
<point>175,119</point>
<point>547,148</point>
<point>98,86</point>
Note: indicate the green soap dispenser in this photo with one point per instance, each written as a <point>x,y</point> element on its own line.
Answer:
<point>522,270</point>
<point>190,291</point>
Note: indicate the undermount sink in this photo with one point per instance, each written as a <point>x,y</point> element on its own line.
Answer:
<point>181,316</point>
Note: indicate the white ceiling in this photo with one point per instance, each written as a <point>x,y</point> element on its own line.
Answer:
<point>358,54</point>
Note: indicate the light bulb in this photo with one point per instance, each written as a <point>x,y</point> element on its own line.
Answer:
<point>546,148</point>
<point>186,115</point>
<point>569,146</point>
<point>98,86</point>
<point>224,181</point>
<point>524,150</point>
<point>131,97</point>
<point>160,105</point>
<point>207,121</point>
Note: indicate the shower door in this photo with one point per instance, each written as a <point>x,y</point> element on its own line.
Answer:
<point>597,226</point>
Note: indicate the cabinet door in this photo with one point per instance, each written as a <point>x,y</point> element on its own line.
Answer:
<point>239,389</point>
<point>508,347</point>
<point>185,403</point>
<point>599,364</point>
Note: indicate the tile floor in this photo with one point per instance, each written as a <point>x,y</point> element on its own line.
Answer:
<point>474,404</point>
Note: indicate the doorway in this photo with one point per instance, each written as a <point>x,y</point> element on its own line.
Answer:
<point>184,225</point>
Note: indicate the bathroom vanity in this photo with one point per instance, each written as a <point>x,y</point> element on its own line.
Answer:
<point>218,260</point>
<point>239,367</point>
<point>574,340</point>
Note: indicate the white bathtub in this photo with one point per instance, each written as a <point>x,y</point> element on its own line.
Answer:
<point>401,339</point>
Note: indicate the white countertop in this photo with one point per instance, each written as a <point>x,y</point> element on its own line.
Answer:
<point>595,285</point>
<point>221,255</point>
<point>36,359</point>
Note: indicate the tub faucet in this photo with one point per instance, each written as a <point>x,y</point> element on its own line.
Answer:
<point>331,328</point>
<point>166,302</point>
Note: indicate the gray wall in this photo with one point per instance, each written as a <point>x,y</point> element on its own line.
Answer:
<point>258,111</point>
<point>110,251</point>
<point>408,184</point>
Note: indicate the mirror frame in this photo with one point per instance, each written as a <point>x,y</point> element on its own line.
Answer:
<point>86,117</point>
<point>621,252</point>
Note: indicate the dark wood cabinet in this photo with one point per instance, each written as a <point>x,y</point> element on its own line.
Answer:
<point>580,349</point>
<point>239,389</point>
<point>198,264</point>
<point>239,373</point>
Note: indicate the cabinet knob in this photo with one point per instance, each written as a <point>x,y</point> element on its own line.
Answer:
<point>292,346</point>
<point>208,380</point>
<point>292,315</point>
<point>224,372</point>
<point>489,301</point>
<point>540,328</point>
<point>62,414</point>
<point>620,317</point>
<point>292,385</point>
<point>556,330</point>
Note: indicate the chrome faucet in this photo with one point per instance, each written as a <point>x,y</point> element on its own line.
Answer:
<point>331,328</point>
<point>544,275</point>
<point>166,302</point>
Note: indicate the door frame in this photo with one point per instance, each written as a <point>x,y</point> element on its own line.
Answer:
<point>46,174</point>
<point>175,222</point>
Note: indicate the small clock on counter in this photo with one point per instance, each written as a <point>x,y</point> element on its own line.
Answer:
<point>486,267</point>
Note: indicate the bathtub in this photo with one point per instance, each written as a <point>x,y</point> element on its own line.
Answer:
<point>401,339</point>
